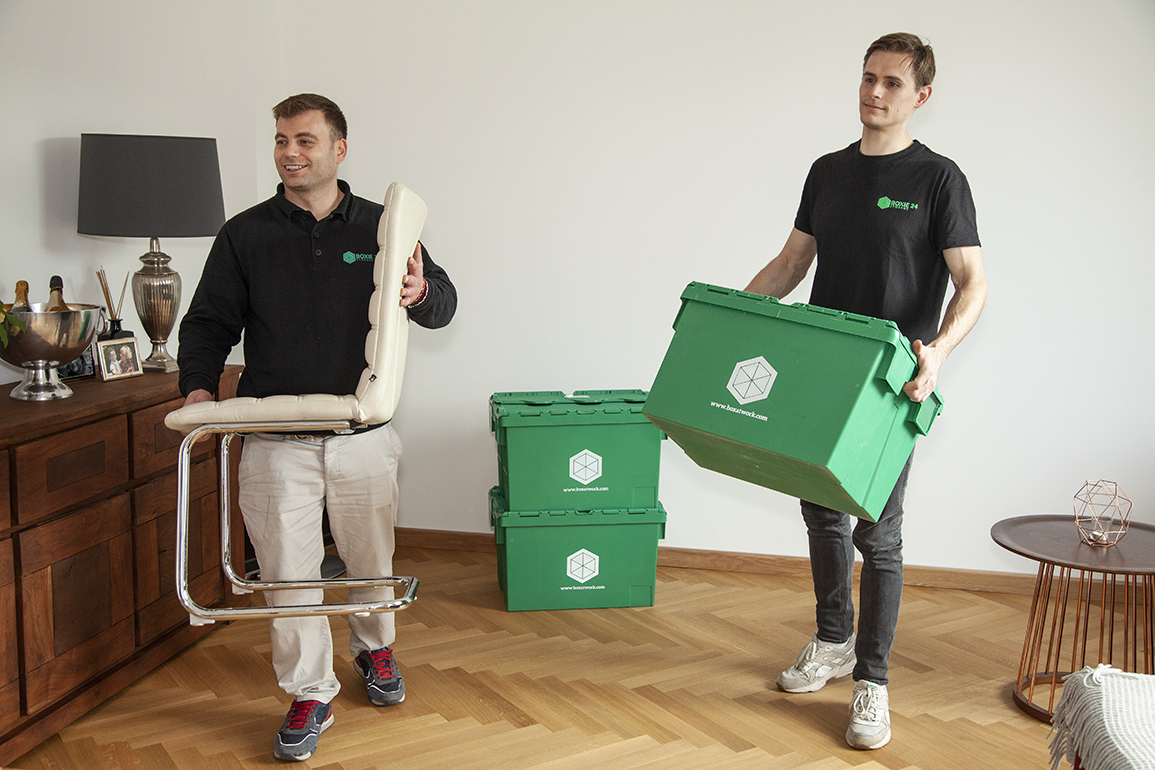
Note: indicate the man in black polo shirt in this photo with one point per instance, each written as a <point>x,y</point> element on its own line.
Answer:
<point>295,274</point>
<point>889,222</point>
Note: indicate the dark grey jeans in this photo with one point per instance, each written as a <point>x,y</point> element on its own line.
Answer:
<point>832,545</point>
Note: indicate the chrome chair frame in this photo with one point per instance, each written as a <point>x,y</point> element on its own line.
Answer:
<point>373,402</point>
<point>200,615</point>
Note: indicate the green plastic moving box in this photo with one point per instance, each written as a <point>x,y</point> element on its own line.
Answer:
<point>797,398</point>
<point>594,450</point>
<point>561,560</point>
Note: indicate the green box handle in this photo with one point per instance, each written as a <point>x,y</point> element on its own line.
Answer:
<point>922,415</point>
<point>895,369</point>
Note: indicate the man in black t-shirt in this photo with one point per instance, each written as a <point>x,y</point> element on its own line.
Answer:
<point>889,222</point>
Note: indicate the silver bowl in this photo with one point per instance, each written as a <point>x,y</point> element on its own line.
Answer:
<point>49,339</point>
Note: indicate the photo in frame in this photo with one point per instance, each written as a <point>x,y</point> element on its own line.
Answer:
<point>118,358</point>
<point>81,366</point>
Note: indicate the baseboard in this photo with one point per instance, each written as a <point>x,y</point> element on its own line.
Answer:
<point>445,540</point>
<point>761,564</point>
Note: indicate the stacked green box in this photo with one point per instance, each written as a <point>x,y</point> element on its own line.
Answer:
<point>561,560</point>
<point>797,398</point>
<point>575,512</point>
<point>589,451</point>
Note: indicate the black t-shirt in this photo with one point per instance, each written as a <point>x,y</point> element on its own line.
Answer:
<point>882,223</point>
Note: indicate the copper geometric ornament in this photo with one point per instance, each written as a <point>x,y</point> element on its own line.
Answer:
<point>1102,513</point>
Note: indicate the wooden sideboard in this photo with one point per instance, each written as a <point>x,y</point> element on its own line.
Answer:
<point>87,539</point>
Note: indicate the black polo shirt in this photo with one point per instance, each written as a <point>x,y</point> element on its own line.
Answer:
<point>299,291</point>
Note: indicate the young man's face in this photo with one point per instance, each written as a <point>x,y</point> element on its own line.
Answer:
<point>305,153</point>
<point>888,95</point>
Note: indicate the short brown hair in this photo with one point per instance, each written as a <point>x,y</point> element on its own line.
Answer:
<point>921,55</point>
<point>295,105</point>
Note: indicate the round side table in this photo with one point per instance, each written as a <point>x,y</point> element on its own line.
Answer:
<point>1091,604</point>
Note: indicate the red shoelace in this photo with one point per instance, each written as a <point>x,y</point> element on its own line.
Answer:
<point>300,712</point>
<point>383,666</point>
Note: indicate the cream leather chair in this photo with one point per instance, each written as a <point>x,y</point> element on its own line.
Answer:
<point>373,402</point>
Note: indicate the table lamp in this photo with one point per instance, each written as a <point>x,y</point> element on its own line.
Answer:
<point>151,187</point>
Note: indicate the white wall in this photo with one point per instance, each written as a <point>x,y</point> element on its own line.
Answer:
<point>584,161</point>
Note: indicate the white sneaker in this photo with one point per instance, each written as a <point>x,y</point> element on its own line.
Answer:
<point>817,664</point>
<point>869,716</point>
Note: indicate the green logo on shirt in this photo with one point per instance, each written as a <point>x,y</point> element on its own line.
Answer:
<point>350,257</point>
<point>887,203</point>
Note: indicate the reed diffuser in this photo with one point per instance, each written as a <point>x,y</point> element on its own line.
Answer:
<point>115,331</point>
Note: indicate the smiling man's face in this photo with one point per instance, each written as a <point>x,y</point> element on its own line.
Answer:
<point>305,153</point>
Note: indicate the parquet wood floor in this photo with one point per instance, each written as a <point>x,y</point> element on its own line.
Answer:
<point>688,683</point>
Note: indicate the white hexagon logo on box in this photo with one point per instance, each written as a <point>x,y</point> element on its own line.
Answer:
<point>582,566</point>
<point>585,466</point>
<point>751,380</point>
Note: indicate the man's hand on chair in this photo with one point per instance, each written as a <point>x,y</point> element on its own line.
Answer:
<point>196,397</point>
<point>413,284</point>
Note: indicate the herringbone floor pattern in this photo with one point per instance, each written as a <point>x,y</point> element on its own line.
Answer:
<point>688,683</point>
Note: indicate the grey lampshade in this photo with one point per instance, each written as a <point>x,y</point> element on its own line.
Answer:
<point>149,186</point>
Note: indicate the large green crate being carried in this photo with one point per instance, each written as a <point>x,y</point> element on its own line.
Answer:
<point>593,450</point>
<point>564,560</point>
<point>797,398</point>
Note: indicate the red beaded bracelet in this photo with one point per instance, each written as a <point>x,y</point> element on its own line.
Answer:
<point>424,293</point>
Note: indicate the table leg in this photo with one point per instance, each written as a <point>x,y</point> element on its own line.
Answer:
<point>1029,671</point>
<point>1126,617</point>
<point>1056,642</point>
<point>1025,660</point>
<point>1149,624</point>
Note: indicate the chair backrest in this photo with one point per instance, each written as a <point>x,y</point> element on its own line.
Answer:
<point>380,387</point>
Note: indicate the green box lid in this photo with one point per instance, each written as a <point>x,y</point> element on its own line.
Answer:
<point>552,407</point>
<point>896,374</point>
<point>798,312</point>
<point>500,517</point>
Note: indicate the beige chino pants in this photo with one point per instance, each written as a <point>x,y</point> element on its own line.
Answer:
<point>285,485</point>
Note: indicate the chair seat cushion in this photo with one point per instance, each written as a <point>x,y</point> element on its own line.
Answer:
<point>317,406</point>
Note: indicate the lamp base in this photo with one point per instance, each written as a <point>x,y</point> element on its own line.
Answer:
<point>159,360</point>
<point>156,292</point>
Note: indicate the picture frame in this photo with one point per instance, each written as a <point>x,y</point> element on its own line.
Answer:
<point>81,366</point>
<point>118,358</point>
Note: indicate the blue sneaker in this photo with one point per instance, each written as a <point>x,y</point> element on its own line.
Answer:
<point>383,684</point>
<point>306,720</point>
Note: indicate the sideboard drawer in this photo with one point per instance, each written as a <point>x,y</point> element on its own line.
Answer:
<point>158,497</point>
<point>154,541</point>
<point>155,447</point>
<point>76,584</point>
<point>66,468</point>
<point>5,494</point>
<point>9,669</point>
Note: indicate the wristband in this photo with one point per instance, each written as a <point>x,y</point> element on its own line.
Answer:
<point>421,297</point>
